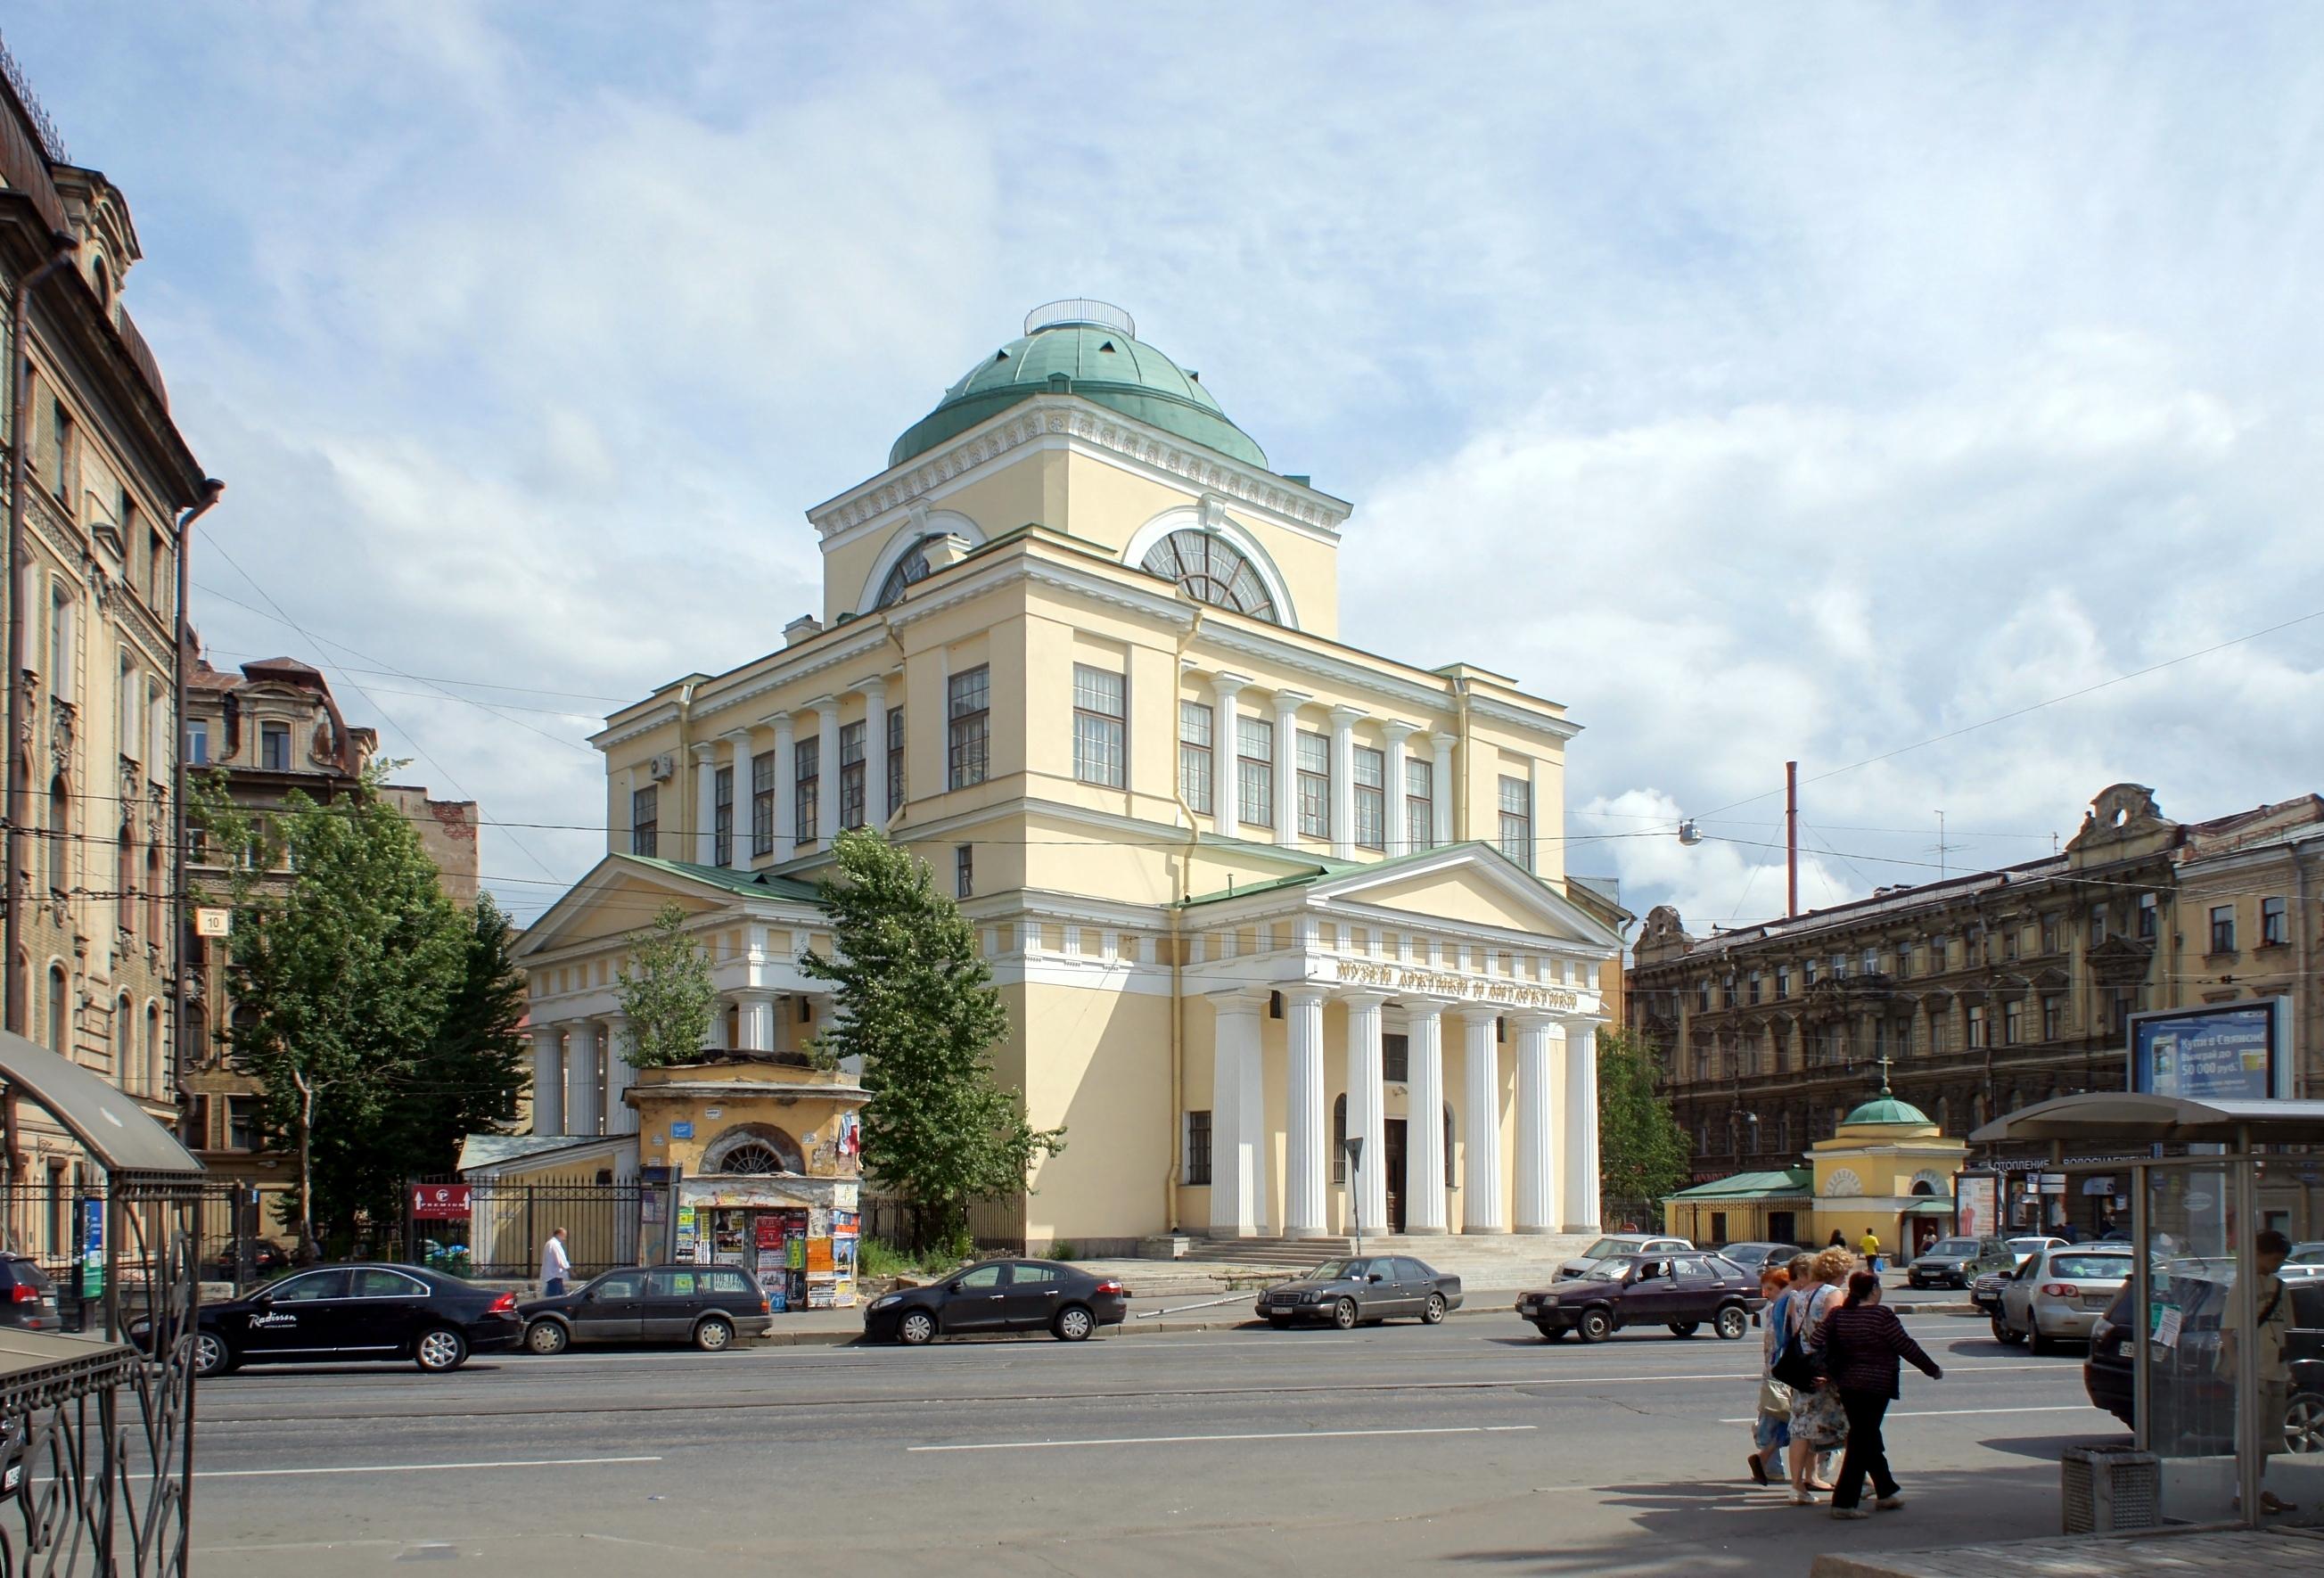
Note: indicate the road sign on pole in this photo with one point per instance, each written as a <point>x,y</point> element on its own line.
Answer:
<point>1355,1147</point>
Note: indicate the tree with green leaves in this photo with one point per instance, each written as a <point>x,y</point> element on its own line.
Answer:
<point>1642,1153</point>
<point>666,991</point>
<point>916,1001</point>
<point>346,961</point>
<point>468,1079</point>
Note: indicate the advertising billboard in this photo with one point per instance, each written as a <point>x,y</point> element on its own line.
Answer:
<point>1977,1208</point>
<point>2228,1051</point>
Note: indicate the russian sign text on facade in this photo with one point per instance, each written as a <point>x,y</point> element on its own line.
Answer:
<point>1443,983</point>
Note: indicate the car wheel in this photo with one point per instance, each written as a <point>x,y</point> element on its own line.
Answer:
<point>1596,1325</point>
<point>1432,1312</point>
<point>1343,1315</point>
<point>2303,1423</point>
<point>1732,1323</point>
<point>917,1327</point>
<point>211,1355</point>
<point>1549,1333</point>
<point>2035,1343</point>
<point>546,1337</point>
<point>714,1335</point>
<point>2003,1332</point>
<point>1684,1328</point>
<point>1074,1323</point>
<point>440,1349</point>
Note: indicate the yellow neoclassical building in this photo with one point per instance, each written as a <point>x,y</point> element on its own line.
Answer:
<point>1248,891</point>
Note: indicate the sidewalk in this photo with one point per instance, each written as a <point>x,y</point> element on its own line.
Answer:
<point>2150,1552</point>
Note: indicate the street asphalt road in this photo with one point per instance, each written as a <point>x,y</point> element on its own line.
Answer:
<point>1473,1445</point>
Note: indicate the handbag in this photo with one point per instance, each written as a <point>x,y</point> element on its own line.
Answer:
<point>1775,1399</point>
<point>1794,1366</point>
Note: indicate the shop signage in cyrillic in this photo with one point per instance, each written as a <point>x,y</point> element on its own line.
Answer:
<point>1445,984</point>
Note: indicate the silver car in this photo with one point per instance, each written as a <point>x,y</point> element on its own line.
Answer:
<point>1617,1245</point>
<point>2058,1293</point>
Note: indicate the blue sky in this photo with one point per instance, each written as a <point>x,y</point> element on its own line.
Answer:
<point>1760,383</point>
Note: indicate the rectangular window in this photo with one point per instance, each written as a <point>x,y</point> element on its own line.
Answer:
<point>1783,981</point>
<point>762,803</point>
<point>198,742</point>
<point>1195,756</point>
<point>1751,987</point>
<point>1395,1059</point>
<point>1517,820</point>
<point>1872,961</point>
<point>1100,726</point>
<point>2147,917</point>
<point>1419,803</point>
<point>1198,1148</point>
<point>2049,934</point>
<point>964,871</point>
<point>2012,1022</point>
<point>645,821</point>
<point>895,759</point>
<point>274,747</point>
<point>2223,928</point>
<point>1313,763</point>
<point>1976,1027</point>
<point>125,704</point>
<point>1726,989</point>
<point>722,817</point>
<point>1255,769</point>
<point>1703,995</point>
<point>2119,1011</point>
<point>2053,1019</point>
<point>2275,923</point>
<point>194,1126</point>
<point>806,783</point>
<point>61,446</point>
<point>1905,961</point>
<point>1808,971</point>
<point>60,638</point>
<point>1371,797</point>
<point>968,717</point>
<point>2098,924</point>
<point>851,772</point>
<point>242,1122</point>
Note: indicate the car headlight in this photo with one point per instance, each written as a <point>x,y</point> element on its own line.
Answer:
<point>885,1299</point>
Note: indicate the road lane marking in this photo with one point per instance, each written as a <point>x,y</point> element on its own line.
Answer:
<point>1254,1435</point>
<point>1949,1412</point>
<point>418,1468</point>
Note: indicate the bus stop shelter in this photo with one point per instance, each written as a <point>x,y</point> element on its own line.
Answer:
<point>2225,1355</point>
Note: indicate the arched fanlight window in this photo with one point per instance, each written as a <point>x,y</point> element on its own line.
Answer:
<point>1209,569</point>
<point>908,570</point>
<point>753,1159</point>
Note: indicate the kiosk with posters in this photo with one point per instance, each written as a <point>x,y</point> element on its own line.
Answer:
<point>797,1235</point>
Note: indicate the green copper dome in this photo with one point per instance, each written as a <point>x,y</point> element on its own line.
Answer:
<point>1095,347</point>
<point>1884,1108</point>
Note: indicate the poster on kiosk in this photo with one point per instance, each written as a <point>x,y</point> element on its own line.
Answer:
<point>2227,1051</point>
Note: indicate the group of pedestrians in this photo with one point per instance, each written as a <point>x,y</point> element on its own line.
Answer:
<point>1830,1358</point>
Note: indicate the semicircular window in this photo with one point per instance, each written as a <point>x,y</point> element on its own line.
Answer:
<point>910,568</point>
<point>1211,570</point>
<point>752,1158</point>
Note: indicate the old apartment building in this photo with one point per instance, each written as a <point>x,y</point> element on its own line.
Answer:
<point>272,729</point>
<point>98,478</point>
<point>1984,993</point>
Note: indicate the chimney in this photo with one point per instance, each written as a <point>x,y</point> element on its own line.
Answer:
<point>806,627</point>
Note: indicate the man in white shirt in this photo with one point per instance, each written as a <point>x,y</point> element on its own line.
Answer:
<point>555,1264</point>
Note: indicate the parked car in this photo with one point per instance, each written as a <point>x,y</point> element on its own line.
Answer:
<point>2059,1294</point>
<point>1985,1292</point>
<point>1620,1245</point>
<point>2106,1374</point>
<point>707,1305</point>
<point>2026,1248</point>
<point>999,1295</point>
<point>1956,1262</point>
<point>1755,1257</point>
<point>1365,1288</point>
<point>13,1444</point>
<point>28,1297</point>
<point>267,1259</point>
<point>336,1313</point>
<point>2307,1254</point>
<point>1679,1291</point>
<point>2193,1398</point>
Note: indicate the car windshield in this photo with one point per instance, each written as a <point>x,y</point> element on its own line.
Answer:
<point>1955,1246</point>
<point>1607,1271</point>
<point>1608,1246</point>
<point>1333,1270</point>
<point>2026,1246</point>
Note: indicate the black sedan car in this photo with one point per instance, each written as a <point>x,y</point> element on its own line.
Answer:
<point>28,1297</point>
<point>1956,1262</point>
<point>338,1314</point>
<point>1681,1291</point>
<point>999,1295</point>
<point>2193,1394</point>
<point>1368,1288</point>
<point>707,1305</point>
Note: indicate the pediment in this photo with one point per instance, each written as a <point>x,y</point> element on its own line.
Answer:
<point>1469,885</point>
<point>620,896</point>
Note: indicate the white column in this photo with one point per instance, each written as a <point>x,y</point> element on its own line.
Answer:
<point>876,808</point>
<point>581,1079</point>
<point>1302,1207</point>
<point>621,1118</point>
<point>1582,1206</point>
<point>705,790</point>
<point>1397,734</point>
<point>1482,1206</point>
<point>1344,720</point>
<point>1237,1115</point>
<point>1423,1128</point>
<point>1366,1110</point>
<point>548,1080</point>
<point>1286,765</point>
<point>1533,1205</point>
<point>1226,775</point>
<point>826,768</point>
<point>785,768</point>
<point>1440,791</point>
<point>738,830</point>
<point>754,1021</point>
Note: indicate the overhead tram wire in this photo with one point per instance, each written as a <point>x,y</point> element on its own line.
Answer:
<point>421,678</point>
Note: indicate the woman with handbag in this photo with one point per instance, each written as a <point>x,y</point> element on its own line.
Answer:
<point>1818,1424</point>
<point>1861,1342</point>
<point>1771,1430</point>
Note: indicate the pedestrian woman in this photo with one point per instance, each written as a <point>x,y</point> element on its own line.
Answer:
<point>1838,1241</point>
<point>1861,1342</point>
<point>1771,1431</point>
<point>1818,1424</point>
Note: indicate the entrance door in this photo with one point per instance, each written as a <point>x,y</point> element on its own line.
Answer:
<point>1392,1160</point>
<point>1780,1228</point>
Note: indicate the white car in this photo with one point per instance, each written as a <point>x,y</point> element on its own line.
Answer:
<point>2059,1294</point>
<point>2026,1248</point>
<point>1615,1245</point>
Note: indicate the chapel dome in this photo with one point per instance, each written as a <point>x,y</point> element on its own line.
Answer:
<point>1886,1109</point>
<point>1095,345</point>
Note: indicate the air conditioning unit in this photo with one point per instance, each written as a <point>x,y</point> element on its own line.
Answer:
<point>664,767</point>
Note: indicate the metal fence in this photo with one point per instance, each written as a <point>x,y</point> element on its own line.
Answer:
<point>496,1230</point>
<point>45,1220</point>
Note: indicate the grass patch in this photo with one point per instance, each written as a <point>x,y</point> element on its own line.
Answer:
<point>879,1257</point>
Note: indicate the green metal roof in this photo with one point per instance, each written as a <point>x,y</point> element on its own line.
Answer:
<point>1099,361</point>
<point>1932,1207</point>
<point>1751,1187</point>
<point>1885,1108</point>
<point>753,884</point>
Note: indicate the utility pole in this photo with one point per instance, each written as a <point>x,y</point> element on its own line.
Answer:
<point>1790,839</point>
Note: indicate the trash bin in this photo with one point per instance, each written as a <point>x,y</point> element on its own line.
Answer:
<point>2106,1489</point>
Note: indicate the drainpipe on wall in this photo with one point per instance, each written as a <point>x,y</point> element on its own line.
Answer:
<point>211,489</point>
<point>1177,949</point>
<point>2303,994</point>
